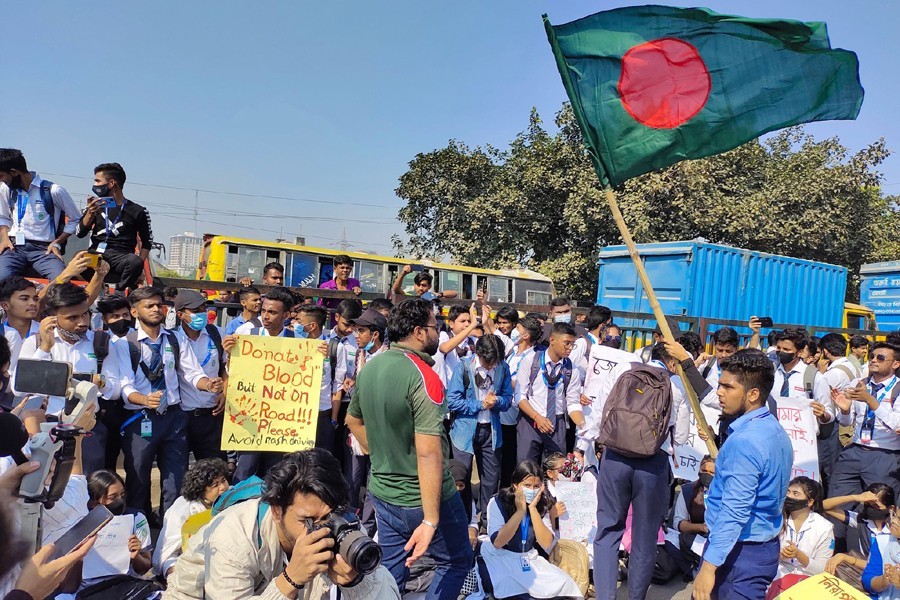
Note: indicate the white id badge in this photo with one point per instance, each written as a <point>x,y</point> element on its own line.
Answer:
<point>526,565</point>
<point>20,238</point>
<point>101,248</point>
<point>146,428</point>
<point>865,437</point>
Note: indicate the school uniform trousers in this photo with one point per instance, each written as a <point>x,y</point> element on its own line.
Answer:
<point>532,444</point>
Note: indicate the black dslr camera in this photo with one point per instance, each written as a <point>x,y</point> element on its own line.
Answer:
<point>354,546</point>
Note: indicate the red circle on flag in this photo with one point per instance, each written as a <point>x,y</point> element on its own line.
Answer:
<point>664,83</point>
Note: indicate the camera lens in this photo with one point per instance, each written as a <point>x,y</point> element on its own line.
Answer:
<point>360,552</point>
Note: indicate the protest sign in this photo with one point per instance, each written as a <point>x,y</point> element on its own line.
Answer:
<point>820,587</point>
<point>686,462</point>
<point>110,555</point>
<point>796,416</point>
<point>580,521</point>
<point>273,394</point>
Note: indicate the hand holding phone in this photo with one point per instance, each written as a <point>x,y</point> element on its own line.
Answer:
<point>83,530</point>
<point>766,322</point>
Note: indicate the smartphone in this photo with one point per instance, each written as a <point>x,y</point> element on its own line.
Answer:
<point>108,203</point>
<point>417,268</point>
<point>81,531</point>
<point>766,322</point>
<point>46,377</point>
<point>83,377</point>
<point>93,259</point>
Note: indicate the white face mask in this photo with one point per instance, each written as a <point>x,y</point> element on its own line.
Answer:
<point>530,494</point>
<point>566,318</point>
<point>514,334</point>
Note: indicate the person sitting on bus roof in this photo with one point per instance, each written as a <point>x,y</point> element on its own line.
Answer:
<point>343,267</point>
<point>421,285</point>
<point>115,224</point>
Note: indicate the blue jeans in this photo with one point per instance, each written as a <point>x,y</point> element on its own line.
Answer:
<point>748,571</point>
<point>34,255</point>
<point>449,548</point>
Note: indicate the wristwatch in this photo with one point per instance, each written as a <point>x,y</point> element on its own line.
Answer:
<point>56,245</point>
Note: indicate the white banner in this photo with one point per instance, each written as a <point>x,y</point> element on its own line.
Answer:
<point>580,521</point>
<point>796,416</point>
<point>686,463</point>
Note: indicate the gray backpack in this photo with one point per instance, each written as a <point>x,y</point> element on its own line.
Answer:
<point>636,414</point>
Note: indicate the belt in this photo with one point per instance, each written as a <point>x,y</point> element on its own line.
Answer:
<point>871,449</point>
<point>198,412</point>
<point>483,425</point>
<point>37,242</point>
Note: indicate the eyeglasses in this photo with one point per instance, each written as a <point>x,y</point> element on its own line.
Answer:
<point>429,327</point>
<point>880,358</point>
<point>568,344</point>
<point>613,338</point>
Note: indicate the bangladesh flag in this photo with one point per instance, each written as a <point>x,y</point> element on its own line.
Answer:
<point>654,85</point>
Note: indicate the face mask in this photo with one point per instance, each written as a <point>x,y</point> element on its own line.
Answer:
<point>101,191</point>
<point>514,335</point>
<point>786,358</point>
<point>792,504</point>
<point>871,513</point>
<point>117,507</point>
<point>705,479</point>
<point>566,318</point>
<point>369,346</point>
<point>16,183</point>
<point>120,327</point>
<point>300,332</point>
<point>530,495</point>
<point>70,336</point>
<point>198,322</point>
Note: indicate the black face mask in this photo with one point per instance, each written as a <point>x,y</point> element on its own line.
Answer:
<point>786,358</point>
<point>16,183</point>
<point>705,479</point>
<point>117,507</point>
<point>870,513</point>
<point>101,191</point>
<point>792,504</point>
<point>120,327</point>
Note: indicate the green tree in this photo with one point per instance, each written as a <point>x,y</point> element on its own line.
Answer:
<point>538,203</point>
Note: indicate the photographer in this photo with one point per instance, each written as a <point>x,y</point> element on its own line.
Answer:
<point>264,548</point>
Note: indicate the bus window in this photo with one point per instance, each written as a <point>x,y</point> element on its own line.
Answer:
<point>498,289</point>
<point>480,284</point>
<point>326,269</point>
<point>467,293</point>
<point>371,276</point>
<point>451,281</point>
<point>250,263</point>
<point>538,298</point>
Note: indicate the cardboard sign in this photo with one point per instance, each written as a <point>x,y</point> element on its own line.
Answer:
<point>821,587</point>
<point>110,555</point>
<point>580,521</point>
<point>274,385</point>
<point>796,416</point>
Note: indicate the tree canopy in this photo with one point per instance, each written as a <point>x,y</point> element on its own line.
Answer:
<point>538,203</point>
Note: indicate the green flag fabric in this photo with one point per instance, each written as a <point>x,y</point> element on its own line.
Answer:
<point>654,85</point>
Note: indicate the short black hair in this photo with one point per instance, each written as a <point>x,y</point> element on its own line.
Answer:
<point>690,341</point>
<point>170,293</point>
<point>10,159</point>
<point>200,476</point>
<point>248,290</point>
<point>283,295</point>
<point>349,309</point>
<point>835,343</point>
<point>893,338</point>
<point>318,313</point>
<point>563,329</point>
<point>423,276</point>
<point>597,316</point>
<point>798,337</point>
<point>560,301</point>
<point>455,311</point>
<point>381,304</point>
<point>752,369</point>
<point>112,302</point>
<point>490,349</point>
<point>856,341</point>
<point>508,313</point>
<point>888,346</point>
<point>63,295</point>
<point>533,326</point>
<point>342,259</point>
<point>309,472</point>
<point>659,352</point>
<point>11,285</point>
<point>99,482</point>
<point>726,336</point>
<point>144,293</point>
<point>5,352</point>
<point>406,316</point>
<point>273,265</point>
<point>112,171</point>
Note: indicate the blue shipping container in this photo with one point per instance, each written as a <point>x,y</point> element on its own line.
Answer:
<point>700,279</point>
<point>879,290</point>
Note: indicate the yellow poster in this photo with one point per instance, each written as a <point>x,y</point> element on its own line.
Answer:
<point>820,587</point>
<point>273,394</point>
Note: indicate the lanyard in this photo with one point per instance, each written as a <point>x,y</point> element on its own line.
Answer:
<point>592,338</point>
<point>518,363</point>
<point>870,414</point>
<point>525,523</point>
<point>22,200</point>
<point>112,226</point>
<point>791,533</point>
<point>209,351</point>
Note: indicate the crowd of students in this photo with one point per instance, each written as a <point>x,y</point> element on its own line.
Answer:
<point>523,401</point>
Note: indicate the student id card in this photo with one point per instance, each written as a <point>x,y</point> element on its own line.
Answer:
<point>146,428</point>
<point>526,564</point>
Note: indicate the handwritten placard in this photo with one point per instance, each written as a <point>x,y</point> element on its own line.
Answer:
<point>796,416</point>
<point>821,587</point>
<point>686,462</point>
<point>110,555</point>
<point>272,401</point>
<point>580,521</point>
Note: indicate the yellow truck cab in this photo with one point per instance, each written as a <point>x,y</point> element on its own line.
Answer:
<point>857,316</point>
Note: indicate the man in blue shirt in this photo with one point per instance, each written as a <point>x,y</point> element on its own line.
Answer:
<point>743,511</point>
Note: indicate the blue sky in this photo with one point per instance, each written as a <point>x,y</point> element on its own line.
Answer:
<point>322,101</point>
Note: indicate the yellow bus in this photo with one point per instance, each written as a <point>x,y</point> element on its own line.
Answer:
<point>226,258</point>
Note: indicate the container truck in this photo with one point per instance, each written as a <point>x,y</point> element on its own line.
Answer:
<point>879,289</point>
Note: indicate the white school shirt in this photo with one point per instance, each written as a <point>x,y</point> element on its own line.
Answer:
<point>815,539</point>
<point>515,361</point>
<point>135,381</point>
<point>83,360</point>
<point>36,223</point>
<point>565,403</point>
<point>445,364</point>
<point>346,353</point>
<point>207,356</point>
<point>168,545</point>
<point>600,365</point>
<point>680,418</point>
<point>481,393</point>
<point>821,389</point>
<point>837,378</point>
<point>15,343</point>
<point>887,417</point>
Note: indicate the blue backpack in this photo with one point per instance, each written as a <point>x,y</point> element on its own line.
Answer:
<point>59,221</point>
<point>249,489</point>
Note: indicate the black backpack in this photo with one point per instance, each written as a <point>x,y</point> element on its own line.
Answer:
<point>102,340</point>
<point>213,332</point>
<point>536,368</point>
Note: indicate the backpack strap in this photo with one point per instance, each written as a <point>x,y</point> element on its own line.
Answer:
<point>59,221</point>
<point>101,348</point>
<point>256,323</point>
<point>535,369</point>
<point>213,332</point>
<point>133,341</point>
<point>708,367</point>
<point>587,346</point>
<point>333,344</point>
<point>809,379</point>
<point>176,347</point>
<point>467,379</point>
<point>845,371</point>
<point>567,375</point>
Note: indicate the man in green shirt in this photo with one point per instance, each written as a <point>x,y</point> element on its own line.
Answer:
<point>397,415</point>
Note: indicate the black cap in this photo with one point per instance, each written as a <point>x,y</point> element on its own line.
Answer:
<point>371,318</point>
<point>189,299</point>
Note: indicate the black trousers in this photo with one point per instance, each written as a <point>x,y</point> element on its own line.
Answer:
<point>205,433</point>
<point>124,268</point>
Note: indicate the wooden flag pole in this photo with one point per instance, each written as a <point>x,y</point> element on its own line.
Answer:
<point>660,317</point>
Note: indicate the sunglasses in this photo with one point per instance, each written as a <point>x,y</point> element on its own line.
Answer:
<point>613,338</point>
<point>881,358</point>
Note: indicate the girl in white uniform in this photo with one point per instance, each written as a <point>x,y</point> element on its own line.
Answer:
<point>807,538</point>
<point>517,520</point>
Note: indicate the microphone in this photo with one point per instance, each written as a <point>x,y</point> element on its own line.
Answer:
<point>13,437</point>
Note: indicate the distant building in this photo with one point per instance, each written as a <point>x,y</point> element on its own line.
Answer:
<point>184,253</point>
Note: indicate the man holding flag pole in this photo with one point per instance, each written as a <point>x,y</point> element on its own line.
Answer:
<point>651,86</point>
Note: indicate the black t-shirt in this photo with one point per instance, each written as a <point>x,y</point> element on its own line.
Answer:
<point>124,229</point>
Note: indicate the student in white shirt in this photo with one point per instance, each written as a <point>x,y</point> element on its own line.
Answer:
<point>19,301</point>
<point>870,522</point>
<point>528,332</point>
<point>807,538</point>
<point>456,344</point>
<point>839,374</point>
<point>203,483</point>
<point>345,352</point>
